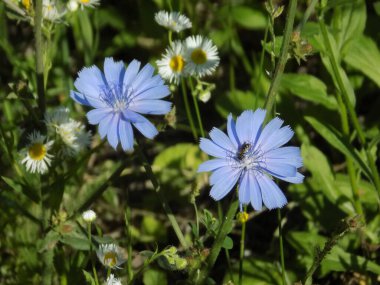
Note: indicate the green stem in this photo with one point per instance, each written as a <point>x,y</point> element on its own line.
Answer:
<point>307,14</point>
<point>128,222</point>
<point>39,57</point>
<point>91,257</point>
<point>196,106</point>
<point>164,202</point>
<point>188,112</point>
<point>283,272</point>
<point>242,243</point>
<point>351,111</point>
<point>217,245</point>
<point>271,96</point>
<point>170,37</point>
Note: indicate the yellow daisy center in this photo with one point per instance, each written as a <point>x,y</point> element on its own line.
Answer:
<point>85,1</point>
<point>177,63</point>
<point>37,151</point>
<point>198,56</point>
<point>26,4</point>
<point>110,258</point>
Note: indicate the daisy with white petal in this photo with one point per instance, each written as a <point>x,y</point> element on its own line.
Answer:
<point>172,66</point>
<point>112,280</point>
<point>173,21</point>
<point>37,158</point>
<point>89,3</point>
<point>89,216</point>
<point>72,5</point>
<point>201,56</point>
<point>110,255</point>
<point>52,11</point>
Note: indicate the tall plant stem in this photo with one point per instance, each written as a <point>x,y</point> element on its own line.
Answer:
<point>188,111</point>
<point>283,272</point>
<point>196,106</point>
<point>91,252</point>
<point>242,244</point>
<point>162,198</point>
<point>351,111</point>
<point>39,57</point>
<point>217,245</point>
<point>128,224</point>
<point>280,66</point>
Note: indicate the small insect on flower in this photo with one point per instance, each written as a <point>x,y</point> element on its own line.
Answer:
<point>250,155</point>
<point>112,280</point>
<point>89,216</point>
<point>201,56</point>
<point>110,255</point>
<point>173,21</point>
<point>36,154</point>
<point>119,96</point>
<point>89,3</point>
<point>172,66</point>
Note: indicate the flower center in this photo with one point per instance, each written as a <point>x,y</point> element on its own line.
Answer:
<point>177,63</point>
<point>198,56</point>
<point>26,4</point>
<point>37,151</point>
<point>110,258</point>
<point>84,1</point>
<point>117,96</point>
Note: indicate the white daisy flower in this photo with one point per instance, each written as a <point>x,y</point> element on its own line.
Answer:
<point>89,3</point>
<point>72,5</point>
<point>71,133</point>
<point>112,280</point>
<point>173,21</point>
<point>110,255</point>
<point>37,158</point>
<point>172,66</point>
<point>89,216</point>
<point>51,11</point>
<point>201,56</point>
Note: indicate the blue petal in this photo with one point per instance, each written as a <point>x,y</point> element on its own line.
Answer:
<point>231,131</point>
<point>224,185</point>
<point>114,71</point>
<point>142,77</point>
<point>152,82</point>
<point>221,172</point>
<point>132,117</point>
<point>295,179</point>
<point>212,164</point>
<point>278,138</point>
<point>104,125</point>
<point>269,129</point>
<point>87,100</point>
<point>244,188</point>
<point>222,140</point>
<point>211,148</point>
<point>155,92</point>
<point>248,124</point>
<point>152,107</point>
<point>131,72</point>
<point>272,195</point>
<point>126,135</point>
<point>288,154</point>
<point>279,169</point>
<point>112,133</point>
<point>255,193</point>
<point>90,80</point>
<point>96,115</point>
<point>145,127</point>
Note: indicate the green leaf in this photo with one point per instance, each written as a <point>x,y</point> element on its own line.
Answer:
<point>86,30</point>
<point>307,87</point>
<point>76,241</point>
<point>228,243</point>
<point>236,102</point>
<point>154,277</point>
<point>318,165</point>
<point>249,18</point>
<point>364,55</point>
<point>89,278</point>
<point>335,139</point>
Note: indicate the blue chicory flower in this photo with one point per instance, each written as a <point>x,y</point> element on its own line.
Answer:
<point>119,97</point>
<point>251,155</point>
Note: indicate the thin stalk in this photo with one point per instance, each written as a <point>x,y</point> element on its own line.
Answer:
<point>196,218</point>
<point>187,108</point>
<point>162,198</point>
<point>39,57</point>
<point>170,37</point>
<point>128,223</point>
<point>91,257</point>
<point>241,258</point>
<point>217,245</point>
<point>271,96</point>
<point>283,272</point>
<point>351,111</point>
<point>307,14</point>
<point>196,106</point>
